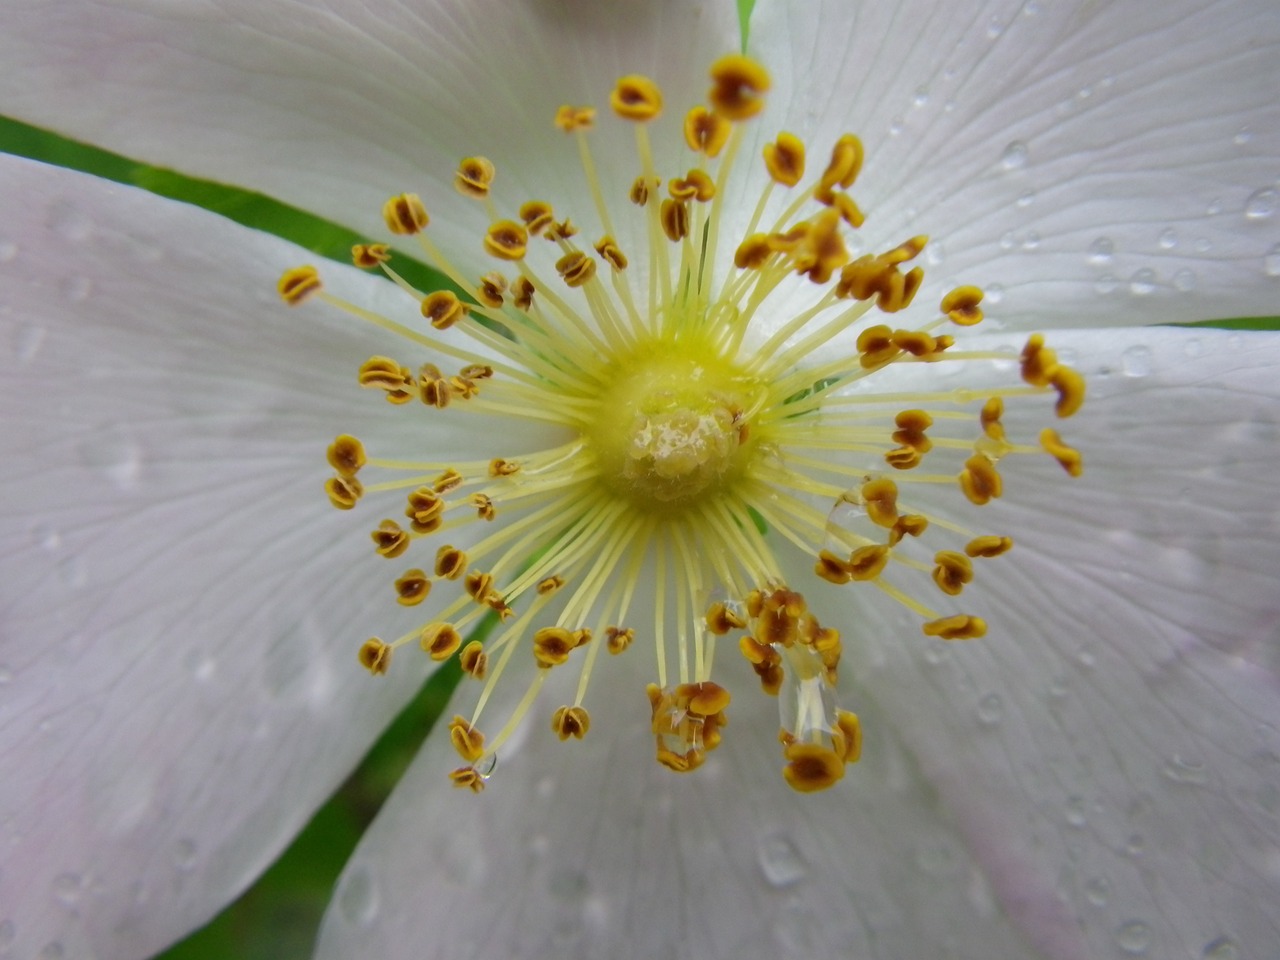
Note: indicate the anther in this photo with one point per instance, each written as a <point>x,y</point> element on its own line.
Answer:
<point>706,132</point>
<point>908,525</point>
<point>619,638</point>
<point>552,646</point>
<point>537,216</point>
<point>952,571</point>
<point>485,509</point>
<point>522,293</point>
<point>549,585</point>
<point>375,656</point>
<point>1070,387</point>
<point>474,176</point>
<point>473,660</point>
<point>635,97</point>
<point>468,778</point>
<point>609,251</point>
<point>992,411</point>
<point>867,563</point>
<point>980,481</point>
<point>842,169</point>
<point>961,306</point>
<point>720,619</point>
<point>571,722</point>
<point>960,627</point>
<point>753,252</point>
<point>911,427</point>
<point>346,455</point>
<point>988,546</point>
<point>1037,361</point>
<point>784,159</point>
<point>738,85</point>
<point>369,255</point>
<point>576,268</point>
<point>490,289</point>
<point>297,284</point>
<point>385,374</point>
<point>466,739</point>
<point>569,118</point>
<point>390,539</point>
<point>443,309</point>
<point>506,240</point>
<point>451,563</point>
<point>440,640</point>
<point>499,467</point>
<point>343,492</point>
<point>479,586</point>
<point>1068,456</point>
<point>405,215</point>
<point>811,767</point>
<point>425,510</point>
<point>675,220</point>
<point>832,568</point>
<point>880,498</point>
<point>695,185</point>
<point>412,588</point>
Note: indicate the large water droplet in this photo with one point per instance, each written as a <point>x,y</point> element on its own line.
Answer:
<point>1261,203</point>
<point>780,861</point>
<point>27,339</point>
<point>1102,251</point>
<point>994,292</point>
<point>1168,238</point>
<point>1134,938</point>
<point>1142,282</point>
<point>1271,262</point>
<point>1097,891</point>
<point>990,709</point>
<point>1136,361</point>
<point>114,458</point>
<point>1223,948</point>
<point>358,898</point>
<point>1015,156</point>
<point>1180,769</point>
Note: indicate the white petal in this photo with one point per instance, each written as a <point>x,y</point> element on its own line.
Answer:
<point>591,849</point>
<point>334,110</point>
<point>1087,163</point>
<point>181,607</point>
<point>1110,748</point>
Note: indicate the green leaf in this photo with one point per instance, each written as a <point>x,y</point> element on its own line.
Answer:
<point>744,19</point>
<point>1238,323</point>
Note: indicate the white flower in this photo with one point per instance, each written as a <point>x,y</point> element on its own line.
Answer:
<point>1095,776</point>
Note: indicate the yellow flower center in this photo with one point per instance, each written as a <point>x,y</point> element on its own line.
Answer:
<point>694,443</point>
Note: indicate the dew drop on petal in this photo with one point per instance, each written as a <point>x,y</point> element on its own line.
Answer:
<point>1168,238</point>
<point>67,888</point>
<point>921,97</point>
<point>1215,207</point>
<point>995,292</point>
<point>1193,347</point>
<point>1102,251</point>
<point>1097,891</point>
<point>1031,241</point>
<point>358,898</point>
<point>780,861</point>
<point>1262,204</point>
<point>1027,199</point>
<point>1180,769</point>
<point>1015,156</point>
<point>1007,240</point>
<point>27,339</point>
<point>1184,280</point>
<point>1136,361</point>
<point>6,674</point>
<point>76,289</point>
<point>1271,262</point>
<point>1142,282</point>
<point>8,250</point>
<point>1221,948</point>
<point>1075,812</point>
<point>1107,283</point>
<point>990,709</point>
<point>1134,938</point>
<point>1203,245</point>
<point>994,28</point>
<point>1243,135</point>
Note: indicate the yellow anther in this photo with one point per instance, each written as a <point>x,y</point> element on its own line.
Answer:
<point>412,588</point>
<point>440,640</point>
<point>720,619</point>
<point>561,231</point>
<point>522,292</point>
<point>476,371</point>
<point>911,427</point>
<point>343,492</point>
<point>390,540</point>
<point>823,251</point>
<point>753,252</point>
<point>383,373</point>
<point>636,97</point>
<point>791,240</point>
<point>695,185</point>
<point>675,220</point>
<point>849,211</point>
<point>425,510</point>
<point>449,480</point>
<point>784,159</point>
<point>405,215</point>
<point>297,284</point>
<point>434,391</point>
<point>549,585</point>
<point>346,455</point>
<point>992,411</point>
<point>705,699</point>
<point>1070,387</point>
<point>467,778</point>
<point>832,568</point>
<point>960,627</point>
<point>706,132</point>
<point>473,660</point>
<point>952,571</point>
<point>738,84</point>
<point>576,268</point>
<point>876,347</point>
<point>915,342</point>
<point>569,118</point>
<point>375,656</point>
<point>369,255</point>
<point>451,563</point>
<point>908,525</point>
<point>619,638</point>
<point>903,458</point>
<point>537,216</point>
<point>506,240</point>
<point>980,481</point>
<point>1069,457</point>
<point>499,467</point>
<point>961,306</point>
<point>569,722</point>
<point>867,563</point>
<point>907,250</point>
<point>880,498</point>
<point>490,289</point>
<point>466,739</point>
<point>843,168</point>
<point>850,728</point>
<point>443,309</point>
<point>1037,361</point>
<point>552,646</point>
<point>612,255</point>
<point>777,620</point>
<point>766,662</point>
<point>474,177</point>
<point>988,546</point>
<point>811,767</point>
<point>462,387</point>
<point>479,586</point>
<point>485,509</point>
<point>642,189</point>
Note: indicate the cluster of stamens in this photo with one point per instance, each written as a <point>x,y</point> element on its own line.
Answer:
<point>692,446</point>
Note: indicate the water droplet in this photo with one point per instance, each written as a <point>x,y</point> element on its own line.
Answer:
<point>1243,136</point>
<point>1107,283</point>
<point>1223,948</point>
<point>1135,844</point>
<point>1086,658</point>
<point>1031,241</point>
<point>1007,240</point>
<point>895,126</point>
<point>8,251</point>
<point>921,97</point>
<point>1261,204</point>
<point>1136,361</point>
<point>6,674</point>
<point>1215,207</point>
<point>67,888</point>
<point>72,572</point>
<point>68,222</point>
<point>935,253</point>
<point>1184,280</point>
<point>1031,9</point>
<point>994,293</point>
<point>8,933</point>
<point>184,854</point>
<point>1027,199</point>
<point>1102,251</point>
<point>1193,347</point>
<point>1180,769</point>
<point>949,106</point>
<point>53,950</point>
<point>1134,938</point>
<point>1168,238</point>
<point>990,709</point>
<point>994,28</point>
<point>114,458</point>
<point>1015,156</point>
<point>1075,811</point>
<point>76,289</point>
<point>358,898</point>
<point>27,339</point>
<point>780,861</point>
<point>1203,245</point>
<point>1271,262</point>
<point>937,652</point>
<point>46,536</point>
<point>1097,891</point>
<point>1142,282</point>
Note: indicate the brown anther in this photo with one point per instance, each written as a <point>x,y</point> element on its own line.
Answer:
<point>766,662</point>
<point>451,563</point>
<point>425,510</point>
<point>811,767</point>
<point>832,568</point>
<point>343,492</point>
<point>988,546</point>
<point>385,374</point>
<point>490,289</point>
<point>369,255</point>
<point>867,563</point>
<point>473,660</point>
<point>1037,361</point>
<point>706,699</point>
<point>824,250</point>
<point>720,619</point>
<point>992,411</point>
<point>569,722</point>
<point>552,646</point>
<point>960,627</point>
<point>961,306</point>
<point>440,640</point>
<point>570,118</point>
<point>466,739</point>
<point>479,586</point>
<point>908,525</point>
<point>468,778</point>
<point>695,185</point>
<point>1070,387</point>
<point>738,85</point>
<point>346,455</point>
<point>635,97</point>
<point>850,730</point>
<point>390,540</point>
<point>522,292</point>
<point>952,571</point>
<point>876,347</point>
<point>791,240</point>
<point>784,159</point>
<point>880,498</point>
<point>375,656</point>
<point>549,585</point>
<point>753,252</point>
<point>903,458</point>
<point>1066,455</point>
<point>405,215</point>
<point>706,132</point>
<point>674,217</point>
<point>449,480</point>
<point>476,371</point>
<point>907,250</point>
<point>412,588</point>
<point>915,342</point>
<point>642,189</point>
<point>619,638</point>
<point>462,387</point>
<point>537,216</point>
<point>778,619</point>
<point>506,240</point>
<point>474,177</point>
<point>911,427</point>
<point>576,268</point>
<point>561,230</point>
<point>612,255</point>
<point>842,169</point>
<point>980,481</point>
<point>433,389</point>
<point>485,509</point>
<point>849,211</point>
<point>297,284</point>
<point>499,467</point>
